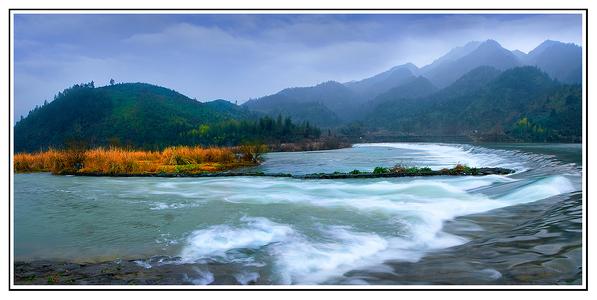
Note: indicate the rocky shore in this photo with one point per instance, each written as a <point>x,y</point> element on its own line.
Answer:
<point>153,271</point>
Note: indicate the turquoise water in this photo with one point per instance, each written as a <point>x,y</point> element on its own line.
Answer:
<point>285,230</point>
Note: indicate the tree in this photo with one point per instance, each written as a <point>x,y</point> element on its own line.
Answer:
<point>203,130</point>
<point>111,81</point>
<point>253,152</point>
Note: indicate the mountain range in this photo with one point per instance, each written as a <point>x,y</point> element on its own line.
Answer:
<point>480,89</point>
<point>333,103</point>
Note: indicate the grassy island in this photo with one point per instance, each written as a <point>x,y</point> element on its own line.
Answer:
<point>111,161</point>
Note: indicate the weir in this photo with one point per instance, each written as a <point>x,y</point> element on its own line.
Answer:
<point>335,175</point>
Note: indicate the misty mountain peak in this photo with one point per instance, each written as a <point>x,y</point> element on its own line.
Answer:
<point>330,83</point>
<point>375,85</point>
<point>547,44</point>
<point>454,54</point>
<point>450,67</point>
<point>542,47</point>
<point>406,67</point>
<point>489,44</point>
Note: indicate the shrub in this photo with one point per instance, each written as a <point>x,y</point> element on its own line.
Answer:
<point>54,279</point>
<point>355,172</point>
<point>398,168</point>
<point>426,170</point>
<point>412,170</point>
<point>402,169</point>
<point>380,170</point>
<point>252,152</point>
<point>459,168</point>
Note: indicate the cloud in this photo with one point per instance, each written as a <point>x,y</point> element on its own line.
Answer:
<point>237,57</point>
<point>185,34</point>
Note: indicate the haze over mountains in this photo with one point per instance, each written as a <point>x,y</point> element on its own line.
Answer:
<point>479,90</point>
<point>328,103</point>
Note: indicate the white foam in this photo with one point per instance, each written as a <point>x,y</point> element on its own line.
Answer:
<point>166,240</point>
<point>163,206</point>
<point>297,258</point>
<point>470,183</point>
<point>143,264</point>
<point>448,155</point>
<point>491,273</point>
<point>246,277</point>
<point>217,240</point>
<point>202,277</point>
<point>301,261</point>
<point>403,198</point>
<point>540,189</point>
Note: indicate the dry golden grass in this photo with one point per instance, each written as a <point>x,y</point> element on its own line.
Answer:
<point>182,159</point>
<point>50,160</point>
<point>184,155</point>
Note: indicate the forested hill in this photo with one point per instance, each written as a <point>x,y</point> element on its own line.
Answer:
<point>521,103</point>
<point>144,116</point>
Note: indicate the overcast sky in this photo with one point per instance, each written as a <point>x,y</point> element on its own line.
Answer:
<point>238,56</point>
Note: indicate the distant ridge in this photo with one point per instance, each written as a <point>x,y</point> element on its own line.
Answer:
<point>331,105</point>
<point>488,53</point>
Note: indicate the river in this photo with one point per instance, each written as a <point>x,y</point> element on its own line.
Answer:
<point>522,228</point>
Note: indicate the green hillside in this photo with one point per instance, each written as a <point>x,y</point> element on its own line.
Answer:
<point>134,114</point>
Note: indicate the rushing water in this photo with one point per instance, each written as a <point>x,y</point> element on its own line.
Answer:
<point>281,230</point>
